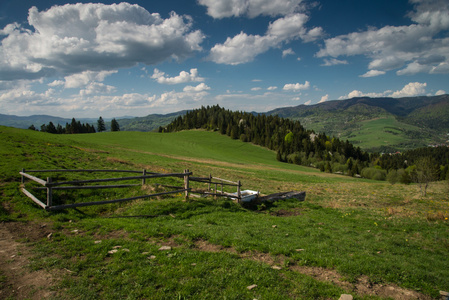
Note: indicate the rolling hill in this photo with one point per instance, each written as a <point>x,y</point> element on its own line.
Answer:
<point>377,124</point>
<point>373,124</point>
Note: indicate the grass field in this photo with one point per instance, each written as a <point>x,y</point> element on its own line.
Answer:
<point>387,131</point>
<point>366,238</point>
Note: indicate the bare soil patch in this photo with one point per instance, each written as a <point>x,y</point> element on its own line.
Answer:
<point>17,281</point>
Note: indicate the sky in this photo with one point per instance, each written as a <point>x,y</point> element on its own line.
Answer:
<point>84,60</point>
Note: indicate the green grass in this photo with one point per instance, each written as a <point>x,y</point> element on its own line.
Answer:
<point>353,226</point>
<point>387,132</point>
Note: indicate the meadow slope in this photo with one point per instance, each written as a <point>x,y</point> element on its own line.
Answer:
<point>366,238</point>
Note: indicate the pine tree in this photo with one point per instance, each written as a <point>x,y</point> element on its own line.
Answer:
<point>114,125</point>
<point>100,125</point>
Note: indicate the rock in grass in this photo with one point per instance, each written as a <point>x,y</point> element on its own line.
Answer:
<point>165,248</point>
<point>276,268</point>
<point>251,286</point>
<point>345,297</point>
<point>112,251</point>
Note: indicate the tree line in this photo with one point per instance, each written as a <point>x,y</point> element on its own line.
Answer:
<point>76,127</point>
<point>295,144</point>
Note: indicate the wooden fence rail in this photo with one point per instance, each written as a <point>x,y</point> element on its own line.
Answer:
<point>51,185</point>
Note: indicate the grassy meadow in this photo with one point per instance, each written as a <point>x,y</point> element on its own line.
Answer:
<point>367,238</point>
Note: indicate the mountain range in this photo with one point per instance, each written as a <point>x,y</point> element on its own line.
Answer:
<point>373,124</point>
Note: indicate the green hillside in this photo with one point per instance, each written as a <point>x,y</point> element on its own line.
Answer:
<point>397,124</point>
<point>350,236</point>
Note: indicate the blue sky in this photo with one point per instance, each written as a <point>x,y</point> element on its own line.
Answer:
<point>83,59</point>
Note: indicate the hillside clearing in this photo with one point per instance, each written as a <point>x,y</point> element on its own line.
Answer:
<point>352,232</point>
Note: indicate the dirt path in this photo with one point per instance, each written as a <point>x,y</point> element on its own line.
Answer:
<point>17,280</point>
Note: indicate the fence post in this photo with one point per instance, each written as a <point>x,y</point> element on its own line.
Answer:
<point>208,184</point>
<point>144,173</point>
<point>186,183</point>
<point>23,178</point>
<point>239,193</point>
<point>49,192</point>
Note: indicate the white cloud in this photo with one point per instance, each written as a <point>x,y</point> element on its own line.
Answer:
<point>272,88</point>
<point>288,51</point>
<point>409,90</point>
<point>97,88</point>
<point>256,89</point>
<point>373,73</point>
<point>296,86</point>
<point>356,93</point>
<point>421,47</point>
<point>252,8</point>
<point>324,98</point>
<point>199,88</point>
<point>308,102</point>
<point>74,38</point>
<point>183,77</point>
<point>333,62</point>
<point>440,92</point>
<point>84,78</point>
<point>243,48</point>
<point>56,83</point>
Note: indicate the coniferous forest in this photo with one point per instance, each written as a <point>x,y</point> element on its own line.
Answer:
<point>295,144</point>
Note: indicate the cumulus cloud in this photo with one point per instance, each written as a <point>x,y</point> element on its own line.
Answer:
<point>272,88</point>
<point>308,102</point>
<point>252,8</point>
<point>199,88</point>
<point>411,89</point>
<point>440,92</point>
<point>183,77</point>
<point>243,47</point>
<point>288,51</point>
<point>324,98</point>
<point>417,48</point>
<point>84,78</point>
<point>373,73</point>
<point>97,88</point>
<point>74,38</point>
<point>296,86</point>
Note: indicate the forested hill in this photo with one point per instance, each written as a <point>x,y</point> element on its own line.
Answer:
<point>378,124</point>
<point>295,144</point>
<point>292,142</point>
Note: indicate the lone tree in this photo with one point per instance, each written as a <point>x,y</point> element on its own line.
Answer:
<point>100,125</point>
<point>114,125</point>
<point>425,172</point>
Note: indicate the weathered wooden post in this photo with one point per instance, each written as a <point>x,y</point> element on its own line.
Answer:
<point>144,173</point>
<point>49,192</point>
<point>186,184</point>
<point>208,184</point>
<point>239,193</point>
<point>23,178</point>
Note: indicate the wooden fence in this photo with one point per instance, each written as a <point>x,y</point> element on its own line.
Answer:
<point>50,186</point>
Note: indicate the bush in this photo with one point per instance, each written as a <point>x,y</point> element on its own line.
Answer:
<point>393,176</point>
<point>374,173</point>
<point>404,176</point>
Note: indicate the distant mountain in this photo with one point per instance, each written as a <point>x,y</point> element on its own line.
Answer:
<point>377,124</point>
<point>36,120</point>
<point>148,123</point>
<point>374,124</point>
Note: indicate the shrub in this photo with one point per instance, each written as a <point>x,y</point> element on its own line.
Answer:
<point>393,176</point>
<point>374,173</point>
